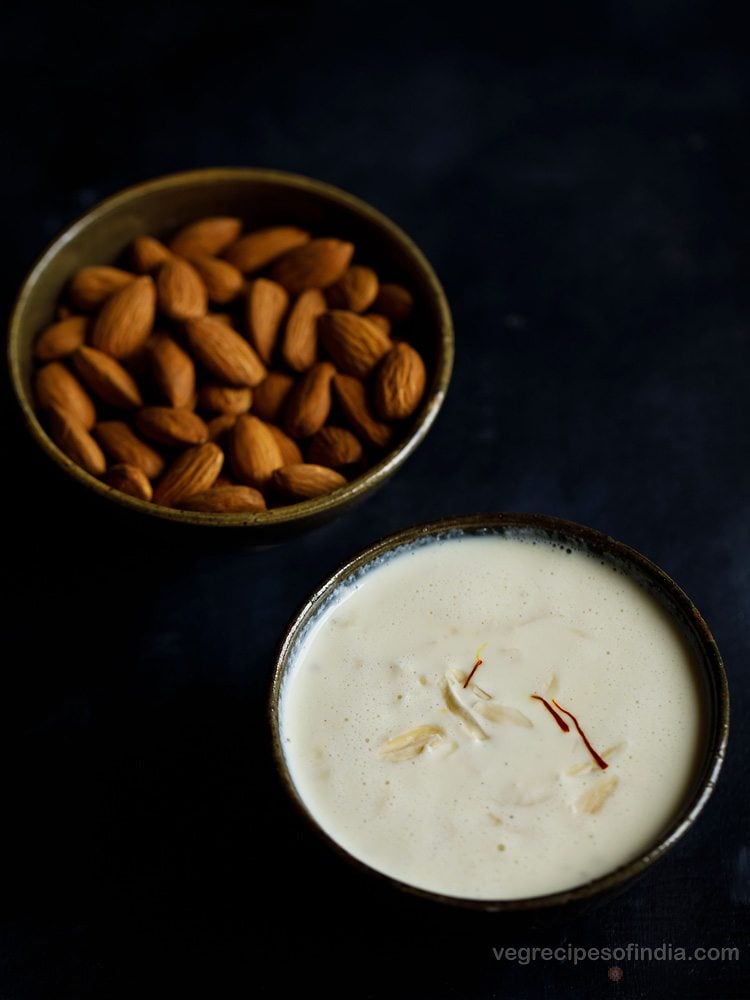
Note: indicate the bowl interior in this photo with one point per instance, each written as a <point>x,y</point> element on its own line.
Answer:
<point>260,198</point>
<point>711,677</point>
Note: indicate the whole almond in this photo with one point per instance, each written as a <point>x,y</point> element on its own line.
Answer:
<point>269,397</point>
<point>195,471</point>
<point>334,447</point>
<point>355,344</point>
<point>399,383</point>
<point>126,448</point>
<point>55,386</point>
<point>63,311</point>
<point>253,451</point>
<point>91,286</point>
<point>303,481</point>
<point>316,264</point>
<point>260,248</point>
<point>223,282</point>
<point>106,378</point>
<point>180,290</point>
<point>172,369</point>
<point>356,289</point>
<point>129,479</point>
<point>381,322</point>
<point>290,450</point>
<point>126,319</point>
<point>61,338</point>
<point>148,254</point>
<point>352,399</point>
<point>309,403</point>
<point>299,346</point>
<point>394,302</point>
<point>266,304</point>
<point>171,426</point>
<point>226,354</point>
<point>72,437</point>
<point>225,399</point>
<point>218,427</point>
<point>226,500</point>
<point>206,236</point>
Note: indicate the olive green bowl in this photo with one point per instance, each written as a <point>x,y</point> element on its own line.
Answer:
<point>685,617</point>
<point>260,198</point>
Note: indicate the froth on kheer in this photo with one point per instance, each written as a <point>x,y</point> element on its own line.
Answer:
<point>563,755</point>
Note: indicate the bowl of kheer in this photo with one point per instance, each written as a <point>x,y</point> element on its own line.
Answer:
<point>500,711</point>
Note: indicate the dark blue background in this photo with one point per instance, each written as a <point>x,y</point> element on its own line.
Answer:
<point>579,177</point>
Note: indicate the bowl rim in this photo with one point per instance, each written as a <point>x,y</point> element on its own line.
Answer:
<point>710,667</point>
<point>289,514</point>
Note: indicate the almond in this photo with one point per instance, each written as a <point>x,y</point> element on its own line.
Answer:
<point>224,352</point>
<point>304,481</point>
<point>61,338</point>
<point>355,344</point>
<point>223,282</point>
<point>299,347</point>
<point>72,437</point>
<point>148,254</point>
<point>55,386</point>
<point>253,451</point>
<point>206,236</point>
<point>309,403</point>
<point>269,397</point>
<point>91,286</point>
<point>63,312</point>
<point>260,248</point>
<point>107,378</point>
<point>226,500</point>
<point>195,471</point>
<point>173,370</point>
<point>225,399</point>
<point>334,447</point>
<point>352,399</point>
<point>171,426</point>
<point>399,383</point>
<point>356,289</point>
<point>129,479</point>
<point>126,319</point>
<point>180,290</point>
<point>316,264</point>
<point>381,322</point>
<point>218,427</point>
<point>266,304</point>
<point>290,450</point>
<point>394,302</point>
<point>121,444</point>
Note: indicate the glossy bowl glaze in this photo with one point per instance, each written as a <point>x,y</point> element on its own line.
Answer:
<point>650,577</point>
<point>260,198</point>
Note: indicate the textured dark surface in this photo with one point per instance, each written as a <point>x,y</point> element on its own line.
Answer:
<point>579,179</point>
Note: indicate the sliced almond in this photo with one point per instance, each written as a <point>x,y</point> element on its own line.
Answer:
<point>506,714</point>
<point>410,744</point>
<point>594,798</point>
<point>589,766</point>
<point>453,697</point>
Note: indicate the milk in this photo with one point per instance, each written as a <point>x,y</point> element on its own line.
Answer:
<point>472,788</point>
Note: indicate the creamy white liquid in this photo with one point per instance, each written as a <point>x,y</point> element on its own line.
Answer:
<point>509,815</point>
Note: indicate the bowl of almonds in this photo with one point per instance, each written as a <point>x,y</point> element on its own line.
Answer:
<point>231,347</point>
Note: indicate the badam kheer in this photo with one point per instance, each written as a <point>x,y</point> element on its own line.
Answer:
<point>492,717</point>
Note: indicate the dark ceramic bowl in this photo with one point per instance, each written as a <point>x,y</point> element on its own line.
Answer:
<point>646,574</point>
<point>260,198</point>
